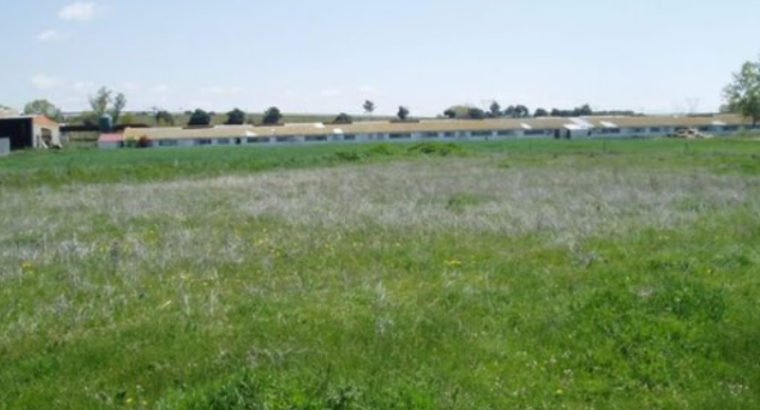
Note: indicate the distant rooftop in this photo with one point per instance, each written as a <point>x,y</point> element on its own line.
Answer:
<point>439,125</point>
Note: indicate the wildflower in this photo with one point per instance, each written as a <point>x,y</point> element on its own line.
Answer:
<point>453,263</point>
<point>27,266</point>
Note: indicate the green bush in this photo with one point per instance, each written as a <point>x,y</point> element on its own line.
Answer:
<point>436,148</point>
<point>349,156</point>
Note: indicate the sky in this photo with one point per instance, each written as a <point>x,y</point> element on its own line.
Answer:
<point>653,56</point>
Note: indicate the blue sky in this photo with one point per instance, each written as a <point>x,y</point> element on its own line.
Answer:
<point>330,55</point>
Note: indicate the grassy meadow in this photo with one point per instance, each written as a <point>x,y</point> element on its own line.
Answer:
<point>493,275</point>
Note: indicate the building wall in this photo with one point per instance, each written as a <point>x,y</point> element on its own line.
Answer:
<point>562,133</point>
<point>46,132</point>
<point>109,144</point>
<point>19,131</point>
<point>5,146</point>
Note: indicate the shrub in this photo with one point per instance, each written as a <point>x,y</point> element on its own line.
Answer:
<point>143,142</point>
<point>436,148</point>
<point>350,156</point>
<point>384,150</point>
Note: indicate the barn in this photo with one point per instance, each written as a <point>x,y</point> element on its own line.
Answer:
<point>607,127</point>
<point>110,140</point>
<point>30,131</point>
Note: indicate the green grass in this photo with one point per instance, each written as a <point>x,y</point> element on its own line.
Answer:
<point>226,278</point>
<point>132,165</point>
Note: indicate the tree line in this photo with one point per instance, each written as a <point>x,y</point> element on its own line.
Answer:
<point>742,96</point>
<point>522,111</point>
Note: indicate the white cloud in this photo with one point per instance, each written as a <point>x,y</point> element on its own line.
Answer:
<point>79,11</point>
<point>330,92</point>
<point>367,89</point>
<point>130,86</point>
<point>49,35</point>
<point>83,87</point>
<point>160,89</point>
<point>45,82</point>
<point>219,90</point>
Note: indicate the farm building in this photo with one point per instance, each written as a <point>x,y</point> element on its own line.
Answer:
<point>439,129</point>
<point>30,132</point>
<point>112,140</point>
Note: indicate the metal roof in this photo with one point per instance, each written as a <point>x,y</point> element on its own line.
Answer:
<point>439,125</point>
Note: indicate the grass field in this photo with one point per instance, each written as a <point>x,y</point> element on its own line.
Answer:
<point>523,274</point>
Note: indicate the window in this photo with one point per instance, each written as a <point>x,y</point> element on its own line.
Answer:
<point>638,130</point>
<point>223,141</point>
<point>655,129</point>
<point>312,138</point>
<point>254,140</point>
<point>610,130</point>
<point>534,132</point>
<point>285,139</point>
<point>481,133</point>
<point>349,137</point>
<point>203,141</point>
<point>731,128</point>
<point>705,128</point>
<point>168,143</point>
<point>428,135</point>
<point>400,136</point>
<point>449,134</point>
<point>505,133</point>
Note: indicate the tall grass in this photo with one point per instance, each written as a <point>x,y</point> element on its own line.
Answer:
<point>490,280</point>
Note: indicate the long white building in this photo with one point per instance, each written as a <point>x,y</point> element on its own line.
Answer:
<point>439,129</point>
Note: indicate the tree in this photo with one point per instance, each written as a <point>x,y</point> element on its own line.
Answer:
<point>43,107</point>
<point>235,117</point>
<point>343,118</point>
<point>510,111</point>
<point>743,94</point>
<point>199,118</point>
<point>403,113</point>
<point>128,119</point>
<point>521,111</point>
<point>369,107</point>
<point>540,112</point>
<point>585,109</point>
<point>162,116</point>
<point>476,113</point>
<point>495,109</point>
<point>118,106</point>
<point>100,101</point>
<point>272,116</point>
<point>450,113</point>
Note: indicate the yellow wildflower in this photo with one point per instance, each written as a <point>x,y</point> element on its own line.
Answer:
<point>453,263</point>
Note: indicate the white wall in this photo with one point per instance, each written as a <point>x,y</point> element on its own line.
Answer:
<point>108,145</point>
<point>625,132</point>
<point>55,136</point>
